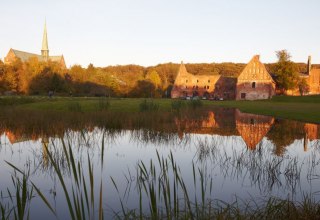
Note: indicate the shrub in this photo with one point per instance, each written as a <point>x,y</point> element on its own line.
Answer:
<point>176,105</point>
<point>74,107</point>
<point>103,104</point>
<point>148,106</point>
<point>195,103</point>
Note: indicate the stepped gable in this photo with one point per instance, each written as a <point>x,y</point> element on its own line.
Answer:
<point>253,128</point>
<point>255,70</point>
<point>255,82</point>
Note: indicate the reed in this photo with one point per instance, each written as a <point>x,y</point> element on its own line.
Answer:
<point>161,190</point>
<point>16,203</point>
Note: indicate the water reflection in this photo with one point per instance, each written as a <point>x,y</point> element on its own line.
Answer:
<point>167,127</point>
<point>245,154</point>
<point>253,128</point>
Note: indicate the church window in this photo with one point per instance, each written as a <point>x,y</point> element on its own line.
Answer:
<point>254,85</point>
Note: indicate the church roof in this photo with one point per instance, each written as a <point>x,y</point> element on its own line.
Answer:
<point>25,56</point>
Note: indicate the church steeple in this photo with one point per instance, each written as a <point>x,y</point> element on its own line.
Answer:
<point>45,47</point>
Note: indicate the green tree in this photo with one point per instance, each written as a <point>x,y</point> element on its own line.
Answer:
<point>154,78</point>
<point>303,86</point>
<point>286,72</point>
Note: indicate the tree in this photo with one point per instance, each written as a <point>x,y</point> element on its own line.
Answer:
<point>303,86</point>
<point>154,78</point>
<point>286,72</point>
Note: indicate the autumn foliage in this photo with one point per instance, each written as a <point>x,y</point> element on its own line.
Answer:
<point>38,78</point>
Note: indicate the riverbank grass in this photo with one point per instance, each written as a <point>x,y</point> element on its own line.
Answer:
<point>305,108</point>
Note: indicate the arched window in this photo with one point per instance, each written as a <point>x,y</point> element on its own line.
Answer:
<point>254,85</point>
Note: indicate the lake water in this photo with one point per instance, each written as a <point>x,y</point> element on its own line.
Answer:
<point>245,156</point>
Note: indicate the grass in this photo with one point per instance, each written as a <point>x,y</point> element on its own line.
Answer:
<point>306,108</point>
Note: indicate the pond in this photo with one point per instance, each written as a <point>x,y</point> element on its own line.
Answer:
<point>124,160</point>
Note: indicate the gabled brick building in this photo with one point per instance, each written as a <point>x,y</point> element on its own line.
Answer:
<point>209,86</point>
<point>254,82</point>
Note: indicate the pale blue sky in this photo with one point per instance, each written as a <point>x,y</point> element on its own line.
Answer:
<point>149,32</point>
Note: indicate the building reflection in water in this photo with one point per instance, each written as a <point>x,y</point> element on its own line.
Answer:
<point>252,128</point>
<point>224,122</point>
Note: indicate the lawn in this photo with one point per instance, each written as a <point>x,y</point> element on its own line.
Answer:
<point>306,108</point>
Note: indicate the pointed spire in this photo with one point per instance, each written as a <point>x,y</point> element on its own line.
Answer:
<point>45,47</point>
<point>309,65</point>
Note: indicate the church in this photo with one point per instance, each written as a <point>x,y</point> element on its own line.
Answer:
<point>44,57</point>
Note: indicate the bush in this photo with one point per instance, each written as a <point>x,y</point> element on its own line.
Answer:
<point>148,106</point>
<point>74,107</point>
<point>195,103</point>
<point>176,105</point>
<point>103,104</point>
<point>15,100</point>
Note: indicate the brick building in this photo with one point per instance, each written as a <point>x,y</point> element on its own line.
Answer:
<point>313,78</point>
<point>189,85</point>
<point>25,56</point>
<point>254,82</point>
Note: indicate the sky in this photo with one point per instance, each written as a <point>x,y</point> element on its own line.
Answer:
<point>150,32</point>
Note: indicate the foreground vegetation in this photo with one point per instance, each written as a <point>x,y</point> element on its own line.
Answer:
<point>305,108</point>
<point>162,193</point>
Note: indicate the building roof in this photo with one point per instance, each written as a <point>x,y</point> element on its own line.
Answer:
<point>255,70</point>
<point>25,56</point>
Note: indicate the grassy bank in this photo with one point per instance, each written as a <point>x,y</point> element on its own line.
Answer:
<point>305,108</point>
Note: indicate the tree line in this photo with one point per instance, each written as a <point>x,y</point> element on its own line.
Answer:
<point>34,77</point>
